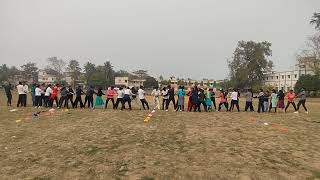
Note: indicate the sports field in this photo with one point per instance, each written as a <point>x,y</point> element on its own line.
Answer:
<point>108,144</point>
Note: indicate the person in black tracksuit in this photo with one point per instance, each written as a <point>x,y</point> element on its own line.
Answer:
<point>194,99</point>
<point>171,97</point>
<point>64,97</point>
<point>202,100</point>
<point>70,95</point>
<point>78,99</point>
<point>261,101</point>
<point>8,89</point>
<point>89,97</point>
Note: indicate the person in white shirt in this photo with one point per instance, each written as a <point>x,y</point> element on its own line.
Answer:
<point>120,94</point>
<point>141,94</point>
<point>234,100</point>
<point>165,99</point>
<point>156,95</point>
<point>38,92</point>
<point>127,98</point>
<point>22,95</point>
<point>47,95</point>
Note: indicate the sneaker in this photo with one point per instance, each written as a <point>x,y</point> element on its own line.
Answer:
<point>296,112</point>
<point>307,112</point>
<point>167,110</point>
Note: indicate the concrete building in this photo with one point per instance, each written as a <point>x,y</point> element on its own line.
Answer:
<point>286,80</point>
<point>128,82</point>
<point>47,76</point>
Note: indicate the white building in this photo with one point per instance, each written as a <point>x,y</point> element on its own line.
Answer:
<point>286,80</point>
<point>126,81</point>
<point>47,76</point>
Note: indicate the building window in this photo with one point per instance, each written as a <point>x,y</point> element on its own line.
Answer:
<point>282,77</point>
<point>277,77</point>
<point>288,76</point>
<point>271,77</point>
<point>295,76</point>
<point>126,81</point>
<point>267,78</point>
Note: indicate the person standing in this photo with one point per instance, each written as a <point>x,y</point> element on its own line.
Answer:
<point>70,95</point>
<point>54,96</point>
<point>291,95</point>
<point>38,97</point>
<point>249,97</point>
<point>110,97</point>
<point>202,100</point>
<point>156,96</point>
<point>47,94</point>
<point>99,101</point>
<point>33,88</point>
<point>127,98</point>
<point>273,101</point>
<point>280,103</point>
<point>64,97</point>
<point>181,94</point>
<point>302,101</point>
<point>234,100</point>
<point>194,99</point>
<point>22,94</point>
<point>78,99</point>
<point>141,94</point>
<point>213,98</point>
<point>7,88</point>
<point>266,101</point>
<point>223,100</point>
<point>165,98</point>
<point>171,97</point>
<point>261,101</point>
<point>89,97</point>
<point>120,94</point>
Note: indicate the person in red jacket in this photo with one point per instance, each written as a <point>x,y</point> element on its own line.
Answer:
<point>110,96</point>
<point>54,96</point>
<point>291,95</point>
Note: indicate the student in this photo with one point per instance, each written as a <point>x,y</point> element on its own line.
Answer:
<point>141,94</point>
<point>127,98</point>
<point>273,101</point>
<point>22,95</point>
<point>47,94</point>
<point>291,95</point>
<point>234,100</point>
<point>64,97</point>
<point>208,99</point>
<point>33,88</point>
<point>89,97</point>
<point>194,99</point>
<point>281,100</point>
<point>70,95</point>
<point>223,100</point>
<point>202,100</point>
<point>261,101</point>
<point>26,90</point>
<point>189,98</point>
<point>120,94</point>
<point>156,96</point>
<point>78,99</point>
<point>213,98</point>
<point>37,96</point>
<point>171,97</point>
<point>99,101</point>
<point>249,98</point>
<point>134,97</point>
<point>54,96</point>
<point>165,98</point>
<point>302,101</point>
<point>43,91</point>
<point>7,89</point>
<point>110,96</point>
<point>181,94</point>
<point>266,101</point>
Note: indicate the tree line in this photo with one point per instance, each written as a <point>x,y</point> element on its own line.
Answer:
<point>90,73</point>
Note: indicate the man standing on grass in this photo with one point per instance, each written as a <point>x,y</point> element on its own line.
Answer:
<point>141,94</point>
<point>234,100</point>
<point>302,95</point>
<point>21,95</point>
<point>7,89</point>
<point>291,95</point>
<point>249,97</point>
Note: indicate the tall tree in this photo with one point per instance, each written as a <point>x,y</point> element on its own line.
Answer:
<point>29,69</point>
<point>108,74</point>
<point>4,72</point>
<point>310,57</point>
<point>75,70</point>
<point>89,69</point>
<point>58,65</point>
<point>316,20</point>
<point>249,63</point>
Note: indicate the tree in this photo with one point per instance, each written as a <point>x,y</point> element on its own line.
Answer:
<point>58,65</point>
<point>141,73</point>
<point>161,78</point>
<point>310,57</point>
<point>108,74</point>
<point>309,82</point>
<point>249,63</point>
<point>29,69</point>
<point>4,72</point>
<point>316,20</point>
<point>75,70</point>
<point>89,69</point>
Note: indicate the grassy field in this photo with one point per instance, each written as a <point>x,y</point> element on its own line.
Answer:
<point>108,144</point>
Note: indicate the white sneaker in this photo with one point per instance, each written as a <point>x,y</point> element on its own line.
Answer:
<point>307,112</point>
<point>167,110</point>
<point>296,112</point>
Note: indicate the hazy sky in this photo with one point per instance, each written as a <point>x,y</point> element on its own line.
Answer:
<point>186,38</point>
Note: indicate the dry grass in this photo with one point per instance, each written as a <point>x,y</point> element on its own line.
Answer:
<point>108,144</point>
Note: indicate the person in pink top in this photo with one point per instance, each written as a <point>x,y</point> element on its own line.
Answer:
<point>223,100</point>
<point>291,95</point>
<point>110,96</point>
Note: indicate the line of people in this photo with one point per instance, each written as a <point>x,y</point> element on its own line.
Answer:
<point>198,98</point>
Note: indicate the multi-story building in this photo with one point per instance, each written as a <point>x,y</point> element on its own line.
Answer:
<point>47,76</point>
<point>286,80</point>
<point>128,82</point>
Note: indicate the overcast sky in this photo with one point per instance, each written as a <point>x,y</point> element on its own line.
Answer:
<point>185,38</point>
